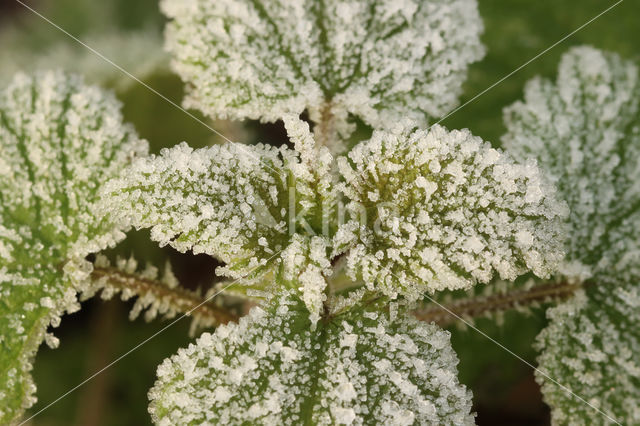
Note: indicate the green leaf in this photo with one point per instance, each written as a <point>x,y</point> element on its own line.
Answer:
<point>380,61</point>
<point>592,346</point>
<point>275,367</point>
<point>434,210</point>
<point>585,131</point>
<point>256,208</point>
<point>59,139</point>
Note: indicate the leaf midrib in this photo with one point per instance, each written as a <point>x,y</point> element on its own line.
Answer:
<point>306,409</point>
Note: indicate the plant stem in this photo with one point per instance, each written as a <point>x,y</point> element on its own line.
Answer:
<point>481,305</point>
<point>323,131</point>
<point>185,301</point>
<point>181,300</point>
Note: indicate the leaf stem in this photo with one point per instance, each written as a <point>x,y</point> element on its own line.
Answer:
<point>480,305</point>
<point>323,130</point>
<point>180,299</point>
<point>186,301</point>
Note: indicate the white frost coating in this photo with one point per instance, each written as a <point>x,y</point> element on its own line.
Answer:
<point>449,210</point>
<point>592,346</point>
<point>254,207</point>
<point>59,140</point>
<point>585,131</point>
<point>379,60</point>
<point>271,368</point>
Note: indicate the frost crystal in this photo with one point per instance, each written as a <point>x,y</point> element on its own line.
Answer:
<point>585,130</point>
<point>59,139</point>
<point>436,210</point>
<point>272,368</point>
<point>257,208</point>
<point>381,61</point>
<point>592,346</point>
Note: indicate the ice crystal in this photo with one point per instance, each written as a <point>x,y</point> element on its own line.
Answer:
<point>59,140</point>
<point>592,346</point>
<point>274,368</point>
<point>585,130</point>
<point>380,61</point>
<point>257,208</point>
<point>436,210</point>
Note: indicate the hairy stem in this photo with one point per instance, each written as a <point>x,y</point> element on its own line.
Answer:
<point>185,301</point>
<point>181,300</point>
<point>481,305</point>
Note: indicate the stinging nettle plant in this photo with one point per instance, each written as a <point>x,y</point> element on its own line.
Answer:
<point>343,241</point>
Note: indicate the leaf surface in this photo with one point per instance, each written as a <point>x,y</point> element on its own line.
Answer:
<point>433,210</point>
<point>378,60</point>
<point>592,346</point>
<point>584,130</point>
<point>59,141</point>
<point>275,367</point>
<point>260,209</point>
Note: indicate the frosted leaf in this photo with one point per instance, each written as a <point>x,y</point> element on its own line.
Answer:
<point>138,52</point>
<point>256,208</point>
<point>378,60</point>
<point>59,139</point>
<point>592,346</point>
<point>275,368</point>
<point>435,210</point>
<point>585,130</point>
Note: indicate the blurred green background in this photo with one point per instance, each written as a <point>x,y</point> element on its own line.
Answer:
<point>130,33</point>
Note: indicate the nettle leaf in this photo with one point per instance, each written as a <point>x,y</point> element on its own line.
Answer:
<point>592,346</point>
<point>435,210</point>
<point>585,130</point>
<point>274,367</point>
<point>59,139</point>
<point>257,208</point>
<point>378,60</point>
